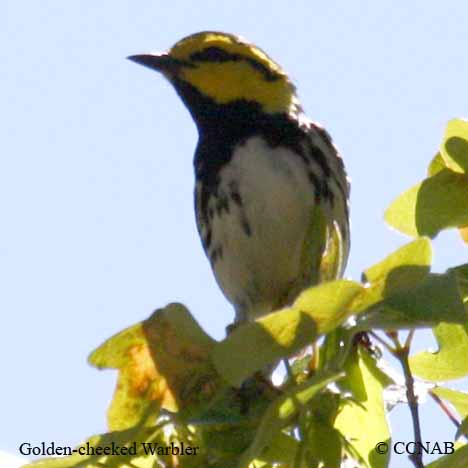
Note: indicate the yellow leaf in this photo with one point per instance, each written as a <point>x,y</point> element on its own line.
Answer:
<point>464,234</point>
<point>164,359</point>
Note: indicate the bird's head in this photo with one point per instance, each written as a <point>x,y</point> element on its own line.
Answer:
<point>225,69</point>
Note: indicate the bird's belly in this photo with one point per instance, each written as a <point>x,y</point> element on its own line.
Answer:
<point>260,236</point>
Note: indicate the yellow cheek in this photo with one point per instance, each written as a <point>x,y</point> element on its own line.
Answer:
<point>227,82</point>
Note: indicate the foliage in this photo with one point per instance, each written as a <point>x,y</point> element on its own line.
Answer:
<point>178,388</point>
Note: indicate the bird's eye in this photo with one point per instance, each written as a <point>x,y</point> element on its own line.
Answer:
<point>212,54</point>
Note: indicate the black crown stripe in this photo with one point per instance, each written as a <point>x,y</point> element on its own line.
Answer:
<point>216,54</point>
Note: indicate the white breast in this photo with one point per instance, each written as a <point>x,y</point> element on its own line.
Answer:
<point>260,261</point>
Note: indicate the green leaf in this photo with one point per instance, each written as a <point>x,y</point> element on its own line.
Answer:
<point>257,344</point>
<point>404,268</point>
<point>436,165</point>
<point>437,203</point>
<point>450,361</point>
<point>401,270</point>
<point>230,439</point>
<point>335,348</point>
<point>458,399</point>
<point>458,459</point>
<point>333,261</point>
<point>363,421</point>
<point>454,149</point>
<point>354,382</point>
<point>463,429</point>
<point>283,410</point>
<point>314,245</point>
<point>322,443</point>
<point>329,304</point>
<point>461,273</point>
<point>434,300</point>
<point>281,449</point>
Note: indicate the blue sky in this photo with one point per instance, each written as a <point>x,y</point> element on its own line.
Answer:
<point>96,172</point>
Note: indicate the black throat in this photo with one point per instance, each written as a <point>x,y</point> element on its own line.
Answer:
<point>223,126</point>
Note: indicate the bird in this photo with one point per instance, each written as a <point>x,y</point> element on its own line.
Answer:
<point>271,190</point>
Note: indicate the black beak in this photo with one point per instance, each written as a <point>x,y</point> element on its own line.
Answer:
<point>162,63</point>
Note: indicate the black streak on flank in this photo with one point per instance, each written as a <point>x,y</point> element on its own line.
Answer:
<point>236,198</point>
<point>222,204</point>
<point>317,155</point>
<point>213,256</point>
<point>328,140</point>
<point>321,188</point>
<point>207,239</point>
<point>246,226</point>
<point>217,254</point>
<point>327,193</point>
<point>316,183</point>
<point>215,54</point>
<point>234,193</point>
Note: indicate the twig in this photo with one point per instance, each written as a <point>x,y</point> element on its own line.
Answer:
<point>402,354</point>
<point>384,343</point>
<point>445,409</point>
<point>409,339</point>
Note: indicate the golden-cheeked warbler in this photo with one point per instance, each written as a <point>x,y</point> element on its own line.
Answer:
<point>271,196</point>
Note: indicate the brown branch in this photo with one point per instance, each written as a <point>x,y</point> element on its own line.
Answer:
<point>402,354</point>
<point>445,409</point>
